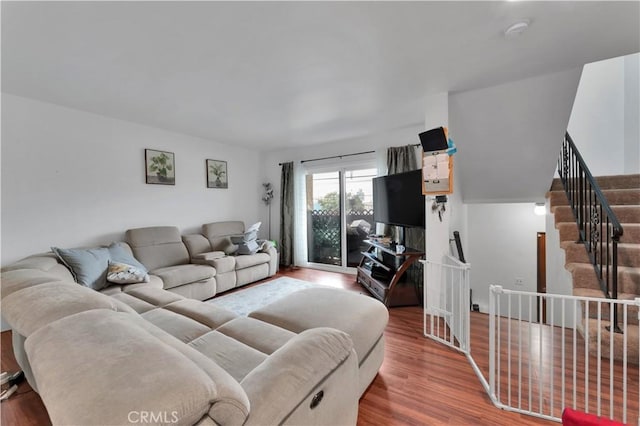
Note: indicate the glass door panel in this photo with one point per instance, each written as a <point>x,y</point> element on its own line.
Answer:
<point>324,230</point>
<point>358,211</point>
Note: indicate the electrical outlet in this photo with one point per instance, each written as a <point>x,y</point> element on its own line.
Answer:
<point>519,281</point>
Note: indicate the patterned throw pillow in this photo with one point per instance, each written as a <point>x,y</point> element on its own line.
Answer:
<point>117,253</point>
<point>121,273</point>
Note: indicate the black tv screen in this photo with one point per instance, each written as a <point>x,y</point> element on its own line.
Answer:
<point>398,199</point>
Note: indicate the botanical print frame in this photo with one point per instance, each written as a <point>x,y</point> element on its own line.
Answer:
<point>217,176</point>
<point>160,167</point>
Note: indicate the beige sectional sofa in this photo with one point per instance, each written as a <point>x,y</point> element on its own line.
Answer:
<point>140,351</point>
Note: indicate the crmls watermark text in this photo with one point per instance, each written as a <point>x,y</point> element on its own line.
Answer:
<point>142,417</point>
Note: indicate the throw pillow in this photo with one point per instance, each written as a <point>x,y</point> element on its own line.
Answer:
<point>249,247</point>
<point>228,247</point>
<point>88,266</point>
<point>121,273</point>
<point>117,253</point>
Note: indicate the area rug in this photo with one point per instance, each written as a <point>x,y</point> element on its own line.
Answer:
<point>248,300</point>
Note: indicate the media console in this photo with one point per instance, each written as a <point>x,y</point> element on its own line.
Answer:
<point>382,273</point>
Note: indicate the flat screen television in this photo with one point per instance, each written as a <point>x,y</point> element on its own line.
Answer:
<point>398,199</point>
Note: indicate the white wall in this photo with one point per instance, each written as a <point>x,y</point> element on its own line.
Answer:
<point>632,114</point>
<point>71,178</point>
<point>604,119</point>
<point>559,280</point>
<point>509,136</point>
<point>502,247</point>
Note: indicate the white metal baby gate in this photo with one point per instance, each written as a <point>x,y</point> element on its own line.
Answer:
<point>569,360</point>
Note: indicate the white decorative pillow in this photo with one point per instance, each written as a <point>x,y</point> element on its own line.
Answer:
<point>121,273</point>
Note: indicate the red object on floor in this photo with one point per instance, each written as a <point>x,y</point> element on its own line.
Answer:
<point>578,418</point>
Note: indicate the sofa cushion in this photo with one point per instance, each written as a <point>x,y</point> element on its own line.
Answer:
<point>31,308</point>
<point>205,313</point>
<point>175,276</point>
<point>246,261</point>
<point>138,305</point>
<point>155,296</point>
<point>196,244</point>
<point>88,266</point>
<point>211,255</point>
<point>343,310</point>
<point>266,338</point>
<point>154,281</point>
<point>219,235</point>
<point>222,229</point>
<point>46,262</point>
<point>235,357</point>
<point>17,279</point>
<point>158,246</point>
<point>182,328</point>
<point>96,367</point>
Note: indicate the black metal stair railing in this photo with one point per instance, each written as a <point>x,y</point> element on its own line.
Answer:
<point>599,228</point>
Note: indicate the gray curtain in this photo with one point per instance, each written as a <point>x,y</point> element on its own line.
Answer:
<point>286,215</point>
<point>403,159</point>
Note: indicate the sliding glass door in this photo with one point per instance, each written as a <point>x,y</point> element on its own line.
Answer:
<point>339,215</point>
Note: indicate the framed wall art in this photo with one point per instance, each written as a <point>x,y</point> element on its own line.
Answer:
<point>217,176</point>
<point>160,167</point>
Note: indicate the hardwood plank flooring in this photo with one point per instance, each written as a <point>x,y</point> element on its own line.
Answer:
<point>421,382</point>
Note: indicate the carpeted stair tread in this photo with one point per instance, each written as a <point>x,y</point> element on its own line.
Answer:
<point>569,232</point>
<point>632,310</point>
<point>613,196</point>
<point>631,233</point>
<point>632,349</point>
<point>625,214</point>
<point>592,292</point>
<point>605,307</point>
<point>628,254</point>
<point>584,276</point>
<point>607,182</point>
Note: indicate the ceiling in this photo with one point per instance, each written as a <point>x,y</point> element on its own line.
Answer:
<point>269,75</point>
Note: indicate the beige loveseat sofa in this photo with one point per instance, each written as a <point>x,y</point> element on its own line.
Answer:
<point>143,352</point>
<point>214,247</point>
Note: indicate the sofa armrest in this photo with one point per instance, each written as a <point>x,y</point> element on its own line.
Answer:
<point>273,257</point>
<point>281,389</point>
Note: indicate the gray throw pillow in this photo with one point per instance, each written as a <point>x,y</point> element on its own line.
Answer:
<point>88,266</point>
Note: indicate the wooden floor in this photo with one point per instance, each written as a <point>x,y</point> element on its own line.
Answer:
<point>421,382</point>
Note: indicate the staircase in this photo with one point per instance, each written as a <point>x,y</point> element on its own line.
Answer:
<point>623,194</point>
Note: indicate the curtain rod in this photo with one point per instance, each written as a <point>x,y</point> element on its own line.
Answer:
<point>340,156</point>
<point>337,156</point>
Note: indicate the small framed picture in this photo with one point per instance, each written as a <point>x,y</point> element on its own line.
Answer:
<point>217,176</point>
<point>160,167</point>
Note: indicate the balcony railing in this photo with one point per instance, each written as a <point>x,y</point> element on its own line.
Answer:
<point>324,236</point>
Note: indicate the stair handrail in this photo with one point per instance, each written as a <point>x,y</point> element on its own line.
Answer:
<point>593,216</point>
